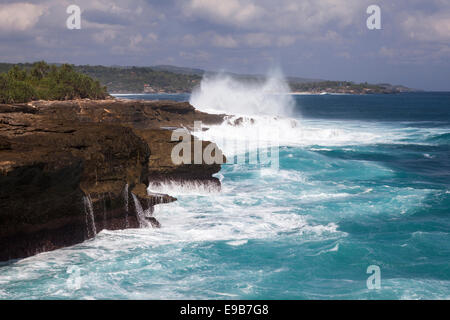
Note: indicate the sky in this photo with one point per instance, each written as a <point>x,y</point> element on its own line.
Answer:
<point>324,39</point>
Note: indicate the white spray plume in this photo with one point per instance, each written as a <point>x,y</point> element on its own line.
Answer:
<point>223,93</point>
<point>260,114</point>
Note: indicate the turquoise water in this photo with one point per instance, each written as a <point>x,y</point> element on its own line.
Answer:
<point>362,180</point>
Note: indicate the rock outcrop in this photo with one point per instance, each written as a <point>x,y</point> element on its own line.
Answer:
<point>138,114</point>
<point>70,169</point>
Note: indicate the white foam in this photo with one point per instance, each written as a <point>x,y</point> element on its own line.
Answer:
<point>259,132</point>
<point>310,197</point>
<point>284,174</point>
<point>237,242</point>
<point>333,249</point>
<point>261,117</point>
<point>177,188</point>
<point>224,93</point>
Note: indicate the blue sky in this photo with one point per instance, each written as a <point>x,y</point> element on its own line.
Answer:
<point>325,39</point>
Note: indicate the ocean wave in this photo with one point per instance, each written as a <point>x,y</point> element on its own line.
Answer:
<point>443,138</point>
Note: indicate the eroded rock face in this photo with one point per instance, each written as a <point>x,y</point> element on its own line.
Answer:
<point>71,169</point>
<point>48,169</point>
<point>151,120</point>
<point>161,166</point>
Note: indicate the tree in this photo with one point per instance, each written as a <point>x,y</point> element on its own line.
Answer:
<point>15,91</point>
<point>48,83</point>
<point>39,70</point>
<point>17,74</point>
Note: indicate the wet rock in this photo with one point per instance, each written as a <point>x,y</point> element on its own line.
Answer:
<point>71,169</point>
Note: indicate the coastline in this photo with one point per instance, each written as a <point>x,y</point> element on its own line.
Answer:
<point>84,165</point>
<point>294,93</point>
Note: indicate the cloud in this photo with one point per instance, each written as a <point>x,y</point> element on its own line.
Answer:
<point>19,16</point>
<point>226,41</point>
<point>434,27</point>
<point>286,40</point>
<point>104,36</point>
<point>198,55</point>
<point>151,37</point>
<point>387,52</point>
<point>257,40</point>
<point>313,38</point>
<point>135,41</point>
<point>105,17</point>
<point>242,40</point>
<point>302,16</point>
<point>228,12</point>
<point>190,40</point>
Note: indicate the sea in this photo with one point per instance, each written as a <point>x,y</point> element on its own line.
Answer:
<point>357,206</point>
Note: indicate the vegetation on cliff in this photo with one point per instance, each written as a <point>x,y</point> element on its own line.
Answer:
<point>47,82</point>
<point>167,79</point>
<point>138,79</point>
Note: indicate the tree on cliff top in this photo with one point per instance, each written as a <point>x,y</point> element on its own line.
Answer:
<point>47,82</point>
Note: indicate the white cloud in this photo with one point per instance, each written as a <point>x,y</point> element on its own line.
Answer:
<point>189,40</point>
<point>135,41</point>
<point>226,41</point>
<point>285,41</point>
<point>104,35</point>
<point>198,55</point>
<point>434,27</point>
<point>307,16</point>
<point>151,37</point>
<point>257,39</point>
<point>250,39</point>
<point>387,52</point>
<point>19,16</point>
<point>225,11</point>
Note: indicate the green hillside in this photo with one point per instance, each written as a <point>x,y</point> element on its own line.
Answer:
<point>133,79</point>
<point>171,79</point>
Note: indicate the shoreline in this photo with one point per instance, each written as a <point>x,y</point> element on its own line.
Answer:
<point>294,93</point>
<point>85,165</point>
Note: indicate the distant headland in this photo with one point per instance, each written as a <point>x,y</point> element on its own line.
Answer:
<point>164,79</point>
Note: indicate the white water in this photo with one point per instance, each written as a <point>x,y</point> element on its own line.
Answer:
<point>261,116</point>
<point>90,221</point>
<point>183,188</point>
<point>139,212</point>
<point>265,232</point>
<point>223,93</point>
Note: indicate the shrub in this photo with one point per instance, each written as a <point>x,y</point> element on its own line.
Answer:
<point>15,91</point>
<point>48,83</point>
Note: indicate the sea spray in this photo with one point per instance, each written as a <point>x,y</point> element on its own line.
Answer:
<point>258,112</point>
<point>260,117</point>
<point>90,221</point>
<point>224,93</point>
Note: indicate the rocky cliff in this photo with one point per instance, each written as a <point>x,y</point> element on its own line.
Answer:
<point>70,169</point>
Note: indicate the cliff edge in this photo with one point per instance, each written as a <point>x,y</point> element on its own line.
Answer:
<point>69,169</point>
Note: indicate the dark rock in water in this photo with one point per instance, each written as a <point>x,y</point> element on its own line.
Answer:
<point>71,169</point>
<point>155,223</point>
<point>160,163</point>
<point>237,122</point>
